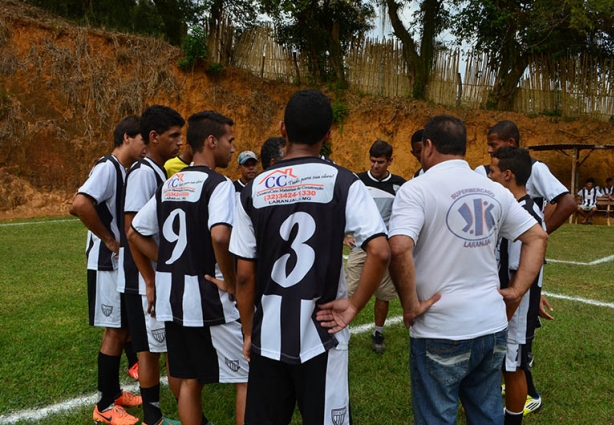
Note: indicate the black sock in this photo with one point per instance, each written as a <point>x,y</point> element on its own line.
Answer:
<point>130,354</point>
<point>205,421</point>
<point>513,418</point>
<point>151,404</point>
<point>108,380</point>
<point>530,386</point>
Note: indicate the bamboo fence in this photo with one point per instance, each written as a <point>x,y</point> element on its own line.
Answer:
<point>574,87</point>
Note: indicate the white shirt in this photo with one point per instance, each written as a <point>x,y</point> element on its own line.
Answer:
<point>455,217</point>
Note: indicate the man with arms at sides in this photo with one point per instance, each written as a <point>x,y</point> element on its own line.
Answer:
<point>248,167</point>
<point>192,214</point>
<point>161,130</point>
<point>443,230</point>
<point>288,239</point>
<point>272,151</point>
<point>98,204</point>
<point>416,149</point>
<point>542,187</point>
<point>382,186</point>
<point>511,167</point>
<point>184,159</point>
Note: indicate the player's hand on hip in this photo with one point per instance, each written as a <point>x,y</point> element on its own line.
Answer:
<point>418,309</point>
<point>150,292</point>
<point>113,246</point>
<point>336,315</point>
<point>219,283</point>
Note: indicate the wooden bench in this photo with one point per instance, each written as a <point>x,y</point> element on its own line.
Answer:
<point>604,205</point>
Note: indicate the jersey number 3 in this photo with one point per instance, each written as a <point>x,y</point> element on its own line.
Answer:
<point>304,253</point>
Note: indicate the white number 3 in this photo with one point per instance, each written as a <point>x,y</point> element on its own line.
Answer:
<point>304,253</point>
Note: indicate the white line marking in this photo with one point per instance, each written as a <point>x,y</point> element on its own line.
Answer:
<point>24,223</point>
<point>579,299</point>
<point>38,414</point>
<point>579,263</point>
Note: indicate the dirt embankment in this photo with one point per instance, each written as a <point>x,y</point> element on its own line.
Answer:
<point>63,88</point>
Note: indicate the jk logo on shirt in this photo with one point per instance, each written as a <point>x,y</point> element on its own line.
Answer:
<point>471,217</point>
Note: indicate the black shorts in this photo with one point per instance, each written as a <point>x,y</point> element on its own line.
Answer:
<point>319,386</point>
<point>191,354</point>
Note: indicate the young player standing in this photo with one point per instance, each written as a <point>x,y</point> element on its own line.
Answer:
<point>98,204</point>
<point>192,214</point>
<point>161,130</point>
<point>511,167</point>
<point>287,236</point>
<point>382,186</point>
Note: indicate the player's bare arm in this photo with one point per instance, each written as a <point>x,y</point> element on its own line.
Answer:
<point>220,238</point>
<point>403,274</point>
<point>532,254</point>
<point>83,207</point>
<point>142,260</point>
<point>338,314</point>
<point>245,293</point>
<point>564,206</point>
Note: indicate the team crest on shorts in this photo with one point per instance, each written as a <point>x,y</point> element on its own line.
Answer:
<point>106,309</point>
<point>338,415</point>
<point>232,364</point>
<point>158,334</point>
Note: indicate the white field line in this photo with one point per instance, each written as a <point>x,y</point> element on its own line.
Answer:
<point>38,414</point>
<point>578,263</point>
<point>25,223</point>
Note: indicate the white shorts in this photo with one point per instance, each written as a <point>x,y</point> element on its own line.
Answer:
<point>148,334</point>
<point>588,208</point>
<point>105,309</point>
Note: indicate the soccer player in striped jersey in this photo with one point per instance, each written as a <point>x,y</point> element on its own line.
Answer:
<point>161,130</point>
<point>192,215</point>
<point>543,187</point>
<point>511,167</point>
<point>288,239</point>
<point>98,204</point>
<point>382,186</point>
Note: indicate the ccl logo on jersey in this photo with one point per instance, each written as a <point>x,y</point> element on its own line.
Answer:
<point>472,218</point>
<point>176,180</point>
<point>277,178</point>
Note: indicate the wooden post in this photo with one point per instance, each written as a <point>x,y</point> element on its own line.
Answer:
<point>460,90</point>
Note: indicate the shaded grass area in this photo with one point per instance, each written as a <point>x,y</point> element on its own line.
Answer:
<point>49,352</point>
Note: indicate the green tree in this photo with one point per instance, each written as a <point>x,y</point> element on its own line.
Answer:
<point>321,30</point>
<point>511,31</point>
<point>428,23</point>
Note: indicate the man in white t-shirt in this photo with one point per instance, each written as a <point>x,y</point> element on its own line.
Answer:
<point>443,232</point>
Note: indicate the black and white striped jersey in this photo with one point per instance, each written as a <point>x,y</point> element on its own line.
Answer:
<point>605,191</point>
<point>382,191</point>
<point>105,186</point>
<point>291,219</point>
<point>144,177</point>
<point>182,213</point>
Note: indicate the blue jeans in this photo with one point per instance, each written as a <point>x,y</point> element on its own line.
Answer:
<point>442,371</point>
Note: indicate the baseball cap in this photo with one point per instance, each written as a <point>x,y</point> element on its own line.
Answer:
<point>246,156</point>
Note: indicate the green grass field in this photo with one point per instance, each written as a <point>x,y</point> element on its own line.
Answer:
<point>49,352</point>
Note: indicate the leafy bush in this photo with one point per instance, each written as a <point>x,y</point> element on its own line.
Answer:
<point>194,48</point>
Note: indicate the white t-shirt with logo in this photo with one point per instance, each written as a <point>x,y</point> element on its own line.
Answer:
<point>455,217</point>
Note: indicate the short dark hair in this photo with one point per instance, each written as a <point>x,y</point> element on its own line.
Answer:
<point>517,160</point>
<point>381,148</point>
<point>447,133</point>
<point>609,179</point>
<point>204,124</point>
<point>506,130</point>
<point>417,137</point>
<point>590,180</point>
<point>159,118</point>
<point>271,149</point>
<point>130,125</point>
<point>308,117</point>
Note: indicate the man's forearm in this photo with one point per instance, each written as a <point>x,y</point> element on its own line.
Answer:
<point>565,206</point>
